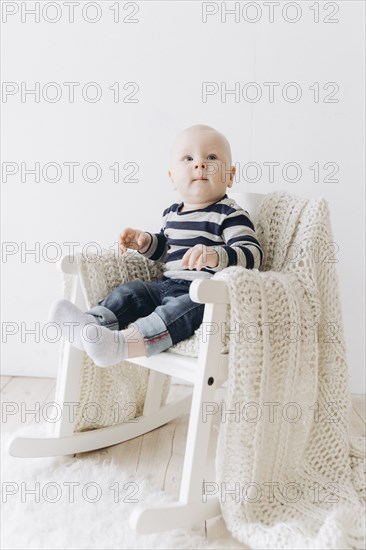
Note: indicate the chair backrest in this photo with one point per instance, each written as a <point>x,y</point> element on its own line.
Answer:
<point>249,202</point>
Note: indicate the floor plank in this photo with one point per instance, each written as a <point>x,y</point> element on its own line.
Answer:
<point>359,406</point>
<point>20,397</point>
<point>4,381</point>
<point>173,473</point>
<point>162,450</point>
<point>357,426</point>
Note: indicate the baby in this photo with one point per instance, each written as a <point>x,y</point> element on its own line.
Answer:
<point>200,236</point>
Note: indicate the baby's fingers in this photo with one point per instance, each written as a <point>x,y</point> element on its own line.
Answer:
<point>185,258</point>
<point>199,263</point>
<point>126,238</point>
<point>196,257</point>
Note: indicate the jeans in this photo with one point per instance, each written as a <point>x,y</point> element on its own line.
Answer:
<point>161,311</point>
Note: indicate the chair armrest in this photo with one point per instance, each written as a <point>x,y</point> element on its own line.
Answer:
<point>68,263</point>
<point>203,291</point>
<point>208,291</point>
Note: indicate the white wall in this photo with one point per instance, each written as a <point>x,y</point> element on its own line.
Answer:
<point>169,52</point>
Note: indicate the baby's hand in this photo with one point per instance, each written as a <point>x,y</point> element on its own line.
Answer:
<point>200,256</point>
<point>133,238</point>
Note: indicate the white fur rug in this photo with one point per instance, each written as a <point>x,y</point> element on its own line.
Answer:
<point>34,523</point>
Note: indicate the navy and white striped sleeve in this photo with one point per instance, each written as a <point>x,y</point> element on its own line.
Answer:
<point>241,244</point>
<point>158,247</point>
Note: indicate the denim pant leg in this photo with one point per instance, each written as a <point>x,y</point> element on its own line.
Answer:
<point>126,303</point>
<point>174,320</point>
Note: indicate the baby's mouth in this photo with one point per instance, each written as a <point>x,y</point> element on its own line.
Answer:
<point>200,179</point>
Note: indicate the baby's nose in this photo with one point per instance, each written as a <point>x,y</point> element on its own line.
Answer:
<point>201,165</point>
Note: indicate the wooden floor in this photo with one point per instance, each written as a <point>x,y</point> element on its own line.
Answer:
<point>160,452</point>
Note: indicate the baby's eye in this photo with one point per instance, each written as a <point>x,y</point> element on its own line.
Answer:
<point>188,157</point>
<point>214,157</point>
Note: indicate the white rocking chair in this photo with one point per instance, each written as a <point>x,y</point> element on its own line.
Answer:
<point>206,372</point>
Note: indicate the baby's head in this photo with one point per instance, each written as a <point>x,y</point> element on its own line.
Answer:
<point>200,165</point>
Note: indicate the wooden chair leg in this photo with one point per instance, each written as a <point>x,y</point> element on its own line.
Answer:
<point>70,373</point>
<point>154,392</point>
<point>191,506</point>
<point>174,515</point>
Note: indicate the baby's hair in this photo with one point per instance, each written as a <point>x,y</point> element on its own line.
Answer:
<point>204,127</point>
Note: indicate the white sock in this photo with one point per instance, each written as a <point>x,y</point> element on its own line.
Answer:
<point>106,347</point>
<point>71,320</point>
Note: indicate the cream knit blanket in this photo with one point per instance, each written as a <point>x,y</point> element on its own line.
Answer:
<point>296,480</point>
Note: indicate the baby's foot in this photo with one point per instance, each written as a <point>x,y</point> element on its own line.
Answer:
<point>106,347</point>
<point>71,320</point>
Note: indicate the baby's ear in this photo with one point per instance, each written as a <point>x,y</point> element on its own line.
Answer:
<point>232,172</point>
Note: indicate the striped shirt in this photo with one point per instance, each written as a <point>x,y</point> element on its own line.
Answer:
<point>223,225</point>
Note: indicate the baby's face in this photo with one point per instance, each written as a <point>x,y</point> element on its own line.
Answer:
<point>200,166</point>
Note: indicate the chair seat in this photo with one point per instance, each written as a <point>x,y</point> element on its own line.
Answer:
<point>190,346</point>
